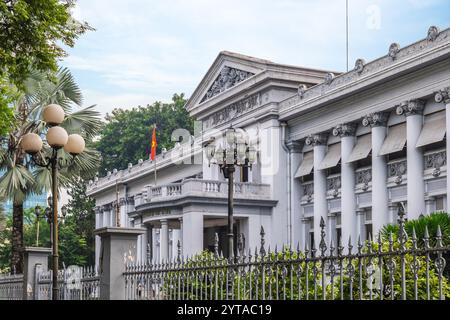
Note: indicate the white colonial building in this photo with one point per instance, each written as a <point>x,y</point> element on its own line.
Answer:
<point>353,148</point>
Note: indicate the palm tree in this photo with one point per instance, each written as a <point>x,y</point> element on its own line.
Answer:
<point>20,176</point>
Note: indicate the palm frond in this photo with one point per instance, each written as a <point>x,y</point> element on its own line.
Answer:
<point>62,90</point>
<point>86,122</point>
<point>43,180</point>
<point>16,179</point>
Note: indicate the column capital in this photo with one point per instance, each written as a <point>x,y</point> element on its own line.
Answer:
<point>98,209</point>
<point>345,130</point>
<point>164,221</point>
<point>317,139</point>
<point>360,211</point>
<point>376,119</point>
<point>122,201</point>
<point>107,207</point>
<point>443,95</point>
<point>294,146</point>
<point>130,200</point>
<point>411,107</point>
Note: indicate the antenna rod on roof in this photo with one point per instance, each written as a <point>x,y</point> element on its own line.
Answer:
<point>346,29</point>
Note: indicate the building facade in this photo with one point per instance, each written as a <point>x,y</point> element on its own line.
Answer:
<point>352,148</point>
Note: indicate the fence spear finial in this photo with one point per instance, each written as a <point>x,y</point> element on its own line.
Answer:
<point>263,241</point>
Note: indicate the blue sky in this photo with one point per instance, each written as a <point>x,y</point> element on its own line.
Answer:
<point>146,50</point>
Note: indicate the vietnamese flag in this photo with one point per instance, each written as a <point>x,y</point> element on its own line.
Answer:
<point>153,152</point>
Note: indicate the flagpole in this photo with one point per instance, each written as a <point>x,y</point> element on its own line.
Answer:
<point>346,30</point>
<point>156,181</point>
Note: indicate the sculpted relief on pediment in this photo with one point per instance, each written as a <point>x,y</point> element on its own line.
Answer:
<point>227,78</point>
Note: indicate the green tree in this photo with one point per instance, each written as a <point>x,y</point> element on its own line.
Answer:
<point>20,176</point>
<point>31,35</point>
<point>77,232</point>
<point>126,136</point>
<point>420,225</point>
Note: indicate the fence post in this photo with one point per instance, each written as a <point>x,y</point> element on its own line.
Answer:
<point>118,248</point>
<point>33,257</point>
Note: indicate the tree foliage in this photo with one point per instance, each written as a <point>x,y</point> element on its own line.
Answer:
<point>76,236</point>
<point>31,34</point>
<point>126,136</point>
<point>20,176</point>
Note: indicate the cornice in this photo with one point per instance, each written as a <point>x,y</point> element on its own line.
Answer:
<point>418,54</point>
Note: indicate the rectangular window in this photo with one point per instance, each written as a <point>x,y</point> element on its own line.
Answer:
<point>338,236</point>
<point>369,231</point>
<point>311,239</point>
<point>244,172</point>
<point>440,203</point>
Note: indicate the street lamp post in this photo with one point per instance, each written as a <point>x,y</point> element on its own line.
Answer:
<point>57,138</point>
<point>237,152</point>
<point>37,212</point>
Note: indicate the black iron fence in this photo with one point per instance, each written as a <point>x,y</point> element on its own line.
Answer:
<point>396,267</point>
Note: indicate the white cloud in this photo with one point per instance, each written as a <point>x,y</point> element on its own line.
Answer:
<point>147,50</point>
<point>106,102</point>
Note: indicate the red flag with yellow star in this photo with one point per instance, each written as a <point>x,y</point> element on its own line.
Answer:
<point>153,152</point>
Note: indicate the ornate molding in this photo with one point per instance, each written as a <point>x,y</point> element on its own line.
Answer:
<point>394,48</point>
<point>233,110</point>
<point>371,67</point>
<point>130,200</point>
<point>107,207</point>
<point>345,130</point>
<point>359,65</point>
<point>443,96</point>
<point>397,169</point>
<point>411,107</point>
<point>433,33</point>
<point>308,190</point>
<point>301,90</point>
<point>227,78</point>
<point>317,139</point>
<point>435,161</point>
<point>364,177</point>
<point>329,78</point>
<point>376,119</point>
<point>294,146</point>
<point>333,185</point>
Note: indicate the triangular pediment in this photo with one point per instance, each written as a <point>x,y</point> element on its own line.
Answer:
<point>228,71</point>
<point>227,78</point>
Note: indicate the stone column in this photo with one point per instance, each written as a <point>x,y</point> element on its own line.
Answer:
<point>360,223</point>
<point>144,242</point>
<point>413,111</point>
<point>164,243</point>
<point>98,224</point>
<point>393,213</point>
<point>319,141</point>
<point>175,238</point>
<point>380,214</point>
<point>430,205</point>
<point>123,212</point>
<point>150,252</point>
<point>181,236</point>
<point>106,209</point>
<point>348,197</point>
<point>294,226</point>
<point>331,229</point>
<point>130,208</point>
<point>444,96</point>
<point>35,260</point>
<point>304,240</point>
<point>119,248</point>
<point>192,233</point>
